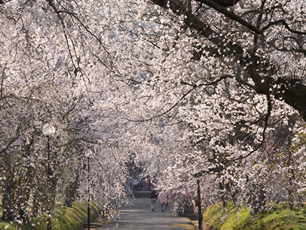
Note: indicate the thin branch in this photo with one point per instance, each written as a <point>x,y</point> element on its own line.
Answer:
<point>261,13</point>
<point>269,105</point>
<point>209,171</point>
<point>64,28</point>
<point>193,86</point>
<point>220,79</point>
<point>2,80</point>
<point>286,26</point>
<point>85,27</point>
<point>175,104</point>
<point>210,83</point>
<point>4,1</point>
<point>231,15</point>
<point>168,110</point>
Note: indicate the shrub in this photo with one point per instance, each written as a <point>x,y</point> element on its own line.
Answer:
<point>63,218</point>
<point>240,218</point>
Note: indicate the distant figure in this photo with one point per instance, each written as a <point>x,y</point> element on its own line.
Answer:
<point>147,183</point>
<point>153,200</point>
<point>162,199</point>
<point>135,182</point>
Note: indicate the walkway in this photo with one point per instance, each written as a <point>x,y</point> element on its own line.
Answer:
<point>140,217</point>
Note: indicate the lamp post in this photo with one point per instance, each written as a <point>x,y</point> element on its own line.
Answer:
<point>88,154</point>
<point>48,130</point>
<point>199,204</point>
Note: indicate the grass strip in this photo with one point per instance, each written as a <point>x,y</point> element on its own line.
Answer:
<point>279,217</point>
<point>63,218</point>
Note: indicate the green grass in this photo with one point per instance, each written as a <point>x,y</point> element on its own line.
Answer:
<point>280,217</point>
<point>63,218</point>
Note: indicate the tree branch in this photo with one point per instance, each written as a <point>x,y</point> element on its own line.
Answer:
<point>231,15</point>
<point>293,94</point>
<point>3,1</point>
<point>283,22</point>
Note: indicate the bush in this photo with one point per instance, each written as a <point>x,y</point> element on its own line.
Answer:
<point>6,226</point>
<point>63,218</point>
<point>239,218</point>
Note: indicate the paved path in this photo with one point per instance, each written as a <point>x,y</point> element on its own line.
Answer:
<point>140,217</point>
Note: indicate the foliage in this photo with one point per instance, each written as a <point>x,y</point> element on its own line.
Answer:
<point>63,218</point>
<point>194,88</point>
<point>234,217</point>
<point>221,86</point>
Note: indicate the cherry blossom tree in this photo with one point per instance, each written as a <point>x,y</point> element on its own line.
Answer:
<point>195,88</point>
<point>56,69</point>
<point>226,73</point>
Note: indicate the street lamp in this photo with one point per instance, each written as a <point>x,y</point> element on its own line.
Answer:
<point>48,130</point>
<point>199,204</point>
<point>88,154</point>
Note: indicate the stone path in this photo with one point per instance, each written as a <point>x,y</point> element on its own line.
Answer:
<point>140,217</point>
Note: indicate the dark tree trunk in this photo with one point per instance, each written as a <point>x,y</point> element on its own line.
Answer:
<point>70,194</point>
<point>199,205</point>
